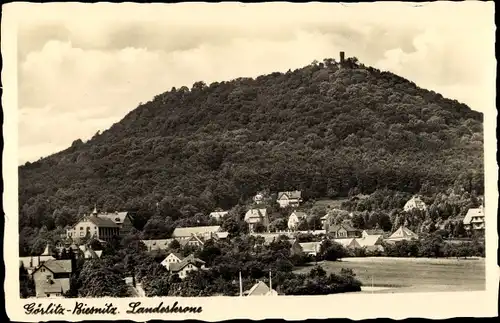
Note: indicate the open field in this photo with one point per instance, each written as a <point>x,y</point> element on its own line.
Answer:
<point>390,275</point>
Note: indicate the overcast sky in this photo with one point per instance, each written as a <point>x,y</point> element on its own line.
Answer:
<point>83,67</point>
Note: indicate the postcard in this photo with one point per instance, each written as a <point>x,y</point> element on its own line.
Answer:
<point>273,160</point>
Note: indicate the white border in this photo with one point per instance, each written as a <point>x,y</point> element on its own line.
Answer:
<point>354,306</point>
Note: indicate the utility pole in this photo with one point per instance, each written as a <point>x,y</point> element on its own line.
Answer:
<point>241,286</point>
<point>270,282</point>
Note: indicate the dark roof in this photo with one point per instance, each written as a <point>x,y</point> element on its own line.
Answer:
<point>117,217</point>
<point>57,266</point>
<point>102,222</point>
<point>186,261</point>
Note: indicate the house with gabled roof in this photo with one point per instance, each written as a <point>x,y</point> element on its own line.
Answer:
<point>260,289</point>
<point>343,230</point>
<point>295,218</point>
<point>289,198</point>
<point>474,219</point>
<point>52,278</point>
<point>187,264</point>
<point>255,216</point>
<point>172,258</point>
<point>193,241</point>
<point>402,233</point>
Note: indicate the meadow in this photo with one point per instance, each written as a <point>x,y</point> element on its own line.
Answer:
<point>385,274</point>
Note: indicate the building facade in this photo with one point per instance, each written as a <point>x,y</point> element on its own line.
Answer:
<point>290,198</point>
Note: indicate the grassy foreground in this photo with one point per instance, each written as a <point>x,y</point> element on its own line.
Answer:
<point>412,274</point>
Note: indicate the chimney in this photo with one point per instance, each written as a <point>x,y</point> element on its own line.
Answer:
<point>342,57</point>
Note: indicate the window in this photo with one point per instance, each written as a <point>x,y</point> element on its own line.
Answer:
<point>48,276</point>
<point>42,270</point>
<point>81,234</point>
<point>81,228</point>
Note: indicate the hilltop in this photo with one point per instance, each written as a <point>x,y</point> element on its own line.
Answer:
<point>326,129</point>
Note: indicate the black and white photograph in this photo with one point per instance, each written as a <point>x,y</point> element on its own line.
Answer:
<point>231,150</point>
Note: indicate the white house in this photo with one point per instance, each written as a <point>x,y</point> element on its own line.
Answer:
<point>474,219</point>
<point>172,258</point>
<point>290,198</point>
<point>415,203</point>
<point>295,218</point>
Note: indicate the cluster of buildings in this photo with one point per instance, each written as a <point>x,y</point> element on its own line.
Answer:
<point>52,276</point>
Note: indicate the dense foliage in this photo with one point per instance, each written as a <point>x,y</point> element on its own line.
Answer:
<point>325,129</point>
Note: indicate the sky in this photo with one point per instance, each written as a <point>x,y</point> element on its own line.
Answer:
<point>82,68</point>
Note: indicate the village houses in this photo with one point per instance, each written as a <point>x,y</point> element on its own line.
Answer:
<point>291,198</point>
<point>474,219</point>
<point>256,216</point>
<point>295,218</point>
<point>52,278</point>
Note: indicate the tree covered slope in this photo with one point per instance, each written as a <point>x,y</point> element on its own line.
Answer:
<point>324,129</point>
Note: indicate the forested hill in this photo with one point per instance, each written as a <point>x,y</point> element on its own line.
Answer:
<point>325,129</point>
